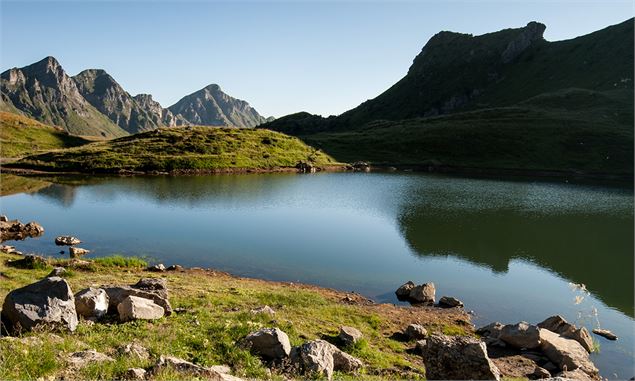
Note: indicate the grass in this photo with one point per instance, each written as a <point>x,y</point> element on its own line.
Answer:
<point>217,318</point>
<point>121,262</point>
<point>186,149</point>
<point>20,136</point>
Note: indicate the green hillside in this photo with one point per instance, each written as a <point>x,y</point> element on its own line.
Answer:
<point>20,136</point>
<point>183,149</point>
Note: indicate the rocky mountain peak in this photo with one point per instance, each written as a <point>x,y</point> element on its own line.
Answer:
<point>532,32</point>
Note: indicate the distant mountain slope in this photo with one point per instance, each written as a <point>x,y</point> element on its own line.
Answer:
<point>456,72</point>
<point>133,114</point>
<point>188,149</point>
<point>21,136</point>
<point>210,106</point>
<point>43,91</point>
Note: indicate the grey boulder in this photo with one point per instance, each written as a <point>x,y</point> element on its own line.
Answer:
<point>559,325</point>
<point>416,332</point>
<point>136,308</point>
<point>349,335</point>
<point>404,290</point>
<point>154,289</point>
<point>48,302</point>
<point>423,294</point>
<point>269,343</point>
<point>321,358</point>
<point>91,303</point>
<point>566,353</point>
<point>520,335</point>
<point>450,302</point>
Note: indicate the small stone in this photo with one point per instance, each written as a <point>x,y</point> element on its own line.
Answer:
<point>86,357</point>
<point>605,333</point>
<point>136,374</point>
<point>133,308</point>
<point>539,373</point>
<point>450,302</point>
<point>174,268</point>
<point>4,218</point>
<point>156,268</point>
<point>67,240</point>
<point>416,332</point>
<point>349,335</point>
<point>76,252</point>
<point>263,310</point>
<point>136,350</point>
<point>57,271</point>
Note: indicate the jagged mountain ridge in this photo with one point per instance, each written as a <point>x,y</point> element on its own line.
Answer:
<point>92,103</point>
<point>211,106</point>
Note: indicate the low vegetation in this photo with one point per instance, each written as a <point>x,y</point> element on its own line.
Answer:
<point>21,136</point>
<point>185,149</point>
<point>217,316</point>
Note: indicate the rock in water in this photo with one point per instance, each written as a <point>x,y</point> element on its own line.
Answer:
<point>404,290</point>
<point>270,343</point>
<point>450,302</point>
<point>558,325</point>
<point>91,303</point>
<point>423,294</point>
<point>134,308</point>
<point>67,240</point>
<point>416,332</point>
<point>457,358</point>
<point>605,333</point>
<point>566,353</point>
<point>48,302</point>
<point>349,335</point>
<point>77,252</point>
<point>521,335</point>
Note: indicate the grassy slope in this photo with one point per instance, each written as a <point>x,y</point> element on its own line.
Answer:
<point>20,136</point>
<point>186,148</point>
<point>571,130</point>
<point>220,304</point>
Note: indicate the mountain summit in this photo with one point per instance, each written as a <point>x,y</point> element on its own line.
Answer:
<point>210,106</point>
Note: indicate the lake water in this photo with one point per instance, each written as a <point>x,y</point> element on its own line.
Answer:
<point>509,249</point>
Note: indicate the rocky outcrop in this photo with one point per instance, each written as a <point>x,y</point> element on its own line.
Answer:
<point>91,303</point>
<point>136,308</point>
<point>349,335</point>
<point>154,289</point>
<point>457,358</point>
<point>46,303</point>
<point>212,107</point>
<point>269,343</point>
<point>566,353</point>
<point>560,326</point>
<point>15,230</point>
<point>532,32</point>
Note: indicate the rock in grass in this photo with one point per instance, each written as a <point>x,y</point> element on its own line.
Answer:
<point>148,288</point>
<point>77,252</point>
<point>566,353</point>
<point>47,303</point>
<point>135,350</point>
<point>349,335</point>
<point>135,374</point>
<point>457,358</point>
<point>57,271</point>
<point>605,333</point>
<point>450,302</point>
<point>415,332</point>
<point>83,358</point>
<point>559,325</point>
<point>263,310</point>
<point>269,343</point>
<point>91,303</point>
<point>216,373</point>
<point>67,240</point>
<point>29,262</point>
<point>321,358</point>
<point>156,268</point>
<point>136,308</point>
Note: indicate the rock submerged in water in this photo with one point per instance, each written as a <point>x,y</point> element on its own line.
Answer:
<point>48,303</point>
<point>457,358</point>
<point>605,333</point>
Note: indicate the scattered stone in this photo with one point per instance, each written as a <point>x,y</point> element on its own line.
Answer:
<point>67,240</point>
<point>457,358</point>
<point>15,230</point>
<point>174,268</point>
<point>566,353</point>
<point>57,271</point>
<point>91,303</point>
<point>136,374</point>
<point>148,288</point>
<point>134,308</point>
<point>558,325</point>
<point>77,252</point>
<point>404,290</point>
<point>263,310</point>
<point>135,350</point>
<point>83,358</point>
<point>349,335</point>
<point>180,365</point>
<point>321,358</point>
<point>520,335</point>
<point>48,302</point>
<point>270,343</point>
<point>156,268</point>
<point>605,333</point>
<point>422,294</point>
<point>29,262</point>
<point>416,332</point>
<point>450,302</point>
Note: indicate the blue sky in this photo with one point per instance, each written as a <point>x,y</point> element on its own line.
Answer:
<point>323,57</point>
